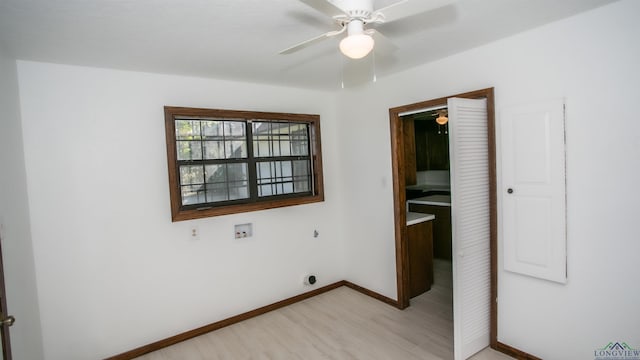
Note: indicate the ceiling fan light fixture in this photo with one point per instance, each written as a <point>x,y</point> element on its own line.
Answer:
<point>357,46</point>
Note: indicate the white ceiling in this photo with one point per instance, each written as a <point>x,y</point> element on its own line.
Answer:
<point>240,39</point>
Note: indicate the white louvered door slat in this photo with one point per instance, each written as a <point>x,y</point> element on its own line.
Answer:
<point>468,146</point>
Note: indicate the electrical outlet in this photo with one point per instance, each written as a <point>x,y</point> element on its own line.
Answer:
<point>243,230</point>
<point>194,233</point>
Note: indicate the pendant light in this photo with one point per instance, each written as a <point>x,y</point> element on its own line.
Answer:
<point>442,117</point>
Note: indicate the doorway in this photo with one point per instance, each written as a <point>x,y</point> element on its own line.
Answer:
<point>400,172</point>
<point>5,320</point>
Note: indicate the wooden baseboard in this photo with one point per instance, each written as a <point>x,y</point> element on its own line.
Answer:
<point>372,294</point>
<point>223,323</point>
<point>511,351</point>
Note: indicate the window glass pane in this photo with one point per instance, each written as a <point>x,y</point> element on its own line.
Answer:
<point>275,147</point>
<point>280,139</point>
<point>285,147</point>
<point>189,150</point>
<point>283,177</point>
<point>300,139</point>
<point>187,129</point>
<point>237,172</point>
<point>234,129</point>
<point>260,129</point>
<point>191,174</point>
<point>211,139</point>
<point>302,175</point>
<point>216,173</point>
<point>213,150</point>
<point>300,148</point>
<point>212,129</point>
<point>301,185</point>
<point>300,168</point>
<point>236,149</point>
<point>264,190</point>
<point>286,167</point>
<point>217,192</point>
<point>193,194</point>
<point>261,148</point>
<point>238,190</point>
<point>264,171</point>
<point>227,182</point>
<point>216,187</point>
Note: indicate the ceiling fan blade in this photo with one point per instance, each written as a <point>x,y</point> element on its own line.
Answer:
<point>325,7</point>
<point>310,42</point>
<point>382,43</point>
<point>407,8</point>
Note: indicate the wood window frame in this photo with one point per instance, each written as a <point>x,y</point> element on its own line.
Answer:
<point>180,212</point>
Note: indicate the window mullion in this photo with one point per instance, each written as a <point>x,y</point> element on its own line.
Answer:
<point>311,162</point>
<point>253,177</point>
<point>202,157</point>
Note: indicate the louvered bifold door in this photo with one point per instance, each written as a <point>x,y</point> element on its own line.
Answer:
<point>468,146</point>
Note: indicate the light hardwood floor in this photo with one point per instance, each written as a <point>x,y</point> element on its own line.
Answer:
<point>339,324</point>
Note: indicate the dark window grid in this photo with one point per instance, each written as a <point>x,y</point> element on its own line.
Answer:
<point>290,180</point>
<point>282,159</point>
<point>275,180</point>
<point>293,147</point>
<point>275,190</point>
<point>273,138</point>
<point>204,190</point>
<point>283,179</point>
<point>225,146</point>
<point>255,180</point>
<point>202,138</point>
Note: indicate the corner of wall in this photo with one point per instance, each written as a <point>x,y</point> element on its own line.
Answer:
<point>17,247</point>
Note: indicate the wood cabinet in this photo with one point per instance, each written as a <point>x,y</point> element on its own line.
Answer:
<point>441,228</point>
<point>426,147</point>
<point>420,243</point>
<point>431,146</point>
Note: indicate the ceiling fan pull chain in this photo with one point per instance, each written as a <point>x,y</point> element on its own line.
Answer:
<point>341,70</point>
<point>373,64</point>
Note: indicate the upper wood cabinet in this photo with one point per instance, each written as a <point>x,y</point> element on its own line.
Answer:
<point>431,146</point>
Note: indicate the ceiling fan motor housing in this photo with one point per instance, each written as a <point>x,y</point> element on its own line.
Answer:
<point>359,9</point>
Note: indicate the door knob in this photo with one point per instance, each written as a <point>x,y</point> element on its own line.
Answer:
<point>9,320</point>
<point>510,190</point>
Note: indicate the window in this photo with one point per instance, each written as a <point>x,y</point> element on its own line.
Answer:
<point>226,161</point>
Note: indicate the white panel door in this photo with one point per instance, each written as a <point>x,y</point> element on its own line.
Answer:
<point>470,215</point>
<point>534,202</point>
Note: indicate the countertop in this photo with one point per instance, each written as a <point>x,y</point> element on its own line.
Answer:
<point>416,218</point>
<point>440,200</point>
<point>429,187</point>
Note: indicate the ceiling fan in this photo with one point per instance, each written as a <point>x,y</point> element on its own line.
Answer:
<point>353,15</point>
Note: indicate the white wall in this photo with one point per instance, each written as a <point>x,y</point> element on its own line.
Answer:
<point>112,268</point>
<point>591,60</point>
<point>117,273</point>
<point>19,270</point>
